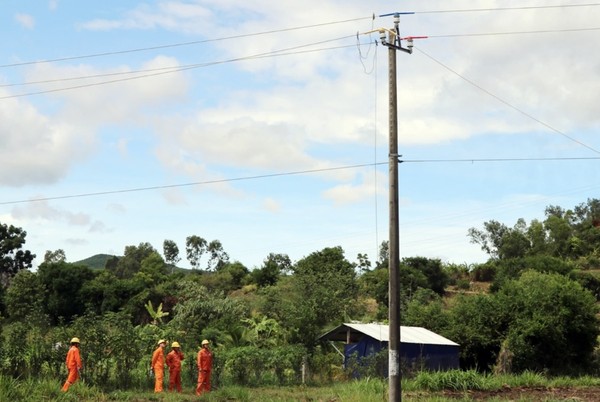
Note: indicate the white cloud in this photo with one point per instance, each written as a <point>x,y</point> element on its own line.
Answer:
<point>271,205</point>
<point>25,20</point>
<point>120,97</point>
<point>35,148</point>
<point>366,188</point>
<point>44,211</point>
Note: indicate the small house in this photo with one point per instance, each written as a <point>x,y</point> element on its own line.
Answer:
<point>418,346</point>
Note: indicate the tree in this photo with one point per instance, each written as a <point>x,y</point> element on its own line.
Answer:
<point>63,282</point>
<point>553,323</point>
<point>218,257</point>
<point>131,262</point>
<point>273,266</point>
<point>500,241</point>
<point>195,247</point>
<point>477,324</point>
<point>437,278</point>
<point>12,256</point>
<point>363,265</point>
<point>25,296</point>
<point>152,269</point>
<point>55,256</point>
<point>171,253</point>
<point>326,284</point>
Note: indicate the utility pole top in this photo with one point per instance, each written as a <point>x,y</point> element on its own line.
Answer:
<point>393,39</point>
<point>397,13</point>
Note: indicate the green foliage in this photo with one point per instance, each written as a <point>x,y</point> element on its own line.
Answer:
<point>568,234</point>
<point>273,266</point>
<point>437,278</point>
<point>13,257</point>
<point>455,380</point>
<point>195,247</point>
<point>199,308</point>
<point>374,365</point>
<point>171,253</point>
<point>218,257</point>
<point>427,310</point>
<point>25,296</point>
<point>477,324</point>
<point>326,286</point>
<point>156,314</point>
<point>553,324</point>
<point>131,262</point>
<point>63,282</point>
<point>512,268</point>
<point>588,281</point>
<point>268,366</point>
<point>107,293</point>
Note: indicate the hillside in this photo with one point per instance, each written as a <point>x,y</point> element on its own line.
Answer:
<point>97,261</point>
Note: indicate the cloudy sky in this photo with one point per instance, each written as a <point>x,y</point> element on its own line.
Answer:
<point>264,124</point>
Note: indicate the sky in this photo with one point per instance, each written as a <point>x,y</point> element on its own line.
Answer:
<point>264,124</point>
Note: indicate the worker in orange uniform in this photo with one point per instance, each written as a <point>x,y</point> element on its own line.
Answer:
<point>73,364</point>
<point>204,361</point>
<point>158,365</point>
<point>174,358</point>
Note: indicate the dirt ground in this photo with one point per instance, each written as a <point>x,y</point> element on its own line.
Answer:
<point>591,394</point>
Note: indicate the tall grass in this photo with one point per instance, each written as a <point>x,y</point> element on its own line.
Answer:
<point>425,386</point>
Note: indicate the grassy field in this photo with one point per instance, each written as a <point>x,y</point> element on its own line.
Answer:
<point>432,387</point>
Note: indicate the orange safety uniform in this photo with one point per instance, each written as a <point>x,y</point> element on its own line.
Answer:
<point>174,358</point>
<point>204,362</point>
<point>73,365</point>
<point>158,366</point>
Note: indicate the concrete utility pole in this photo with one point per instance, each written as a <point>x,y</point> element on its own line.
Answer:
<point>393,43</point>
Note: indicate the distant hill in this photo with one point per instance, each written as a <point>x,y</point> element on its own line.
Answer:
<point>97,261</point>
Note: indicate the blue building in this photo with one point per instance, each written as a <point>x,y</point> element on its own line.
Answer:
<point>418,346</point>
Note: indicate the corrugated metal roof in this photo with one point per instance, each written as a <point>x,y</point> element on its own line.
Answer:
<point>380,332</point>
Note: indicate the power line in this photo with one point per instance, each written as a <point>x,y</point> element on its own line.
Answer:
<point>543,31</point>
<point>291,173</point>
<point>498,160</point>
<point>510,105</point>
<point>169,70</point>
<point>144,49</point>
<point>372,17</point>
<point>468,10</point>
<point>274,53</point>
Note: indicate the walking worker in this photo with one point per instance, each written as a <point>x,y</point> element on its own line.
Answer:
<point>204,361</point>
<point>174,359</point>
<point>158,365</point>
<point>73,364</point>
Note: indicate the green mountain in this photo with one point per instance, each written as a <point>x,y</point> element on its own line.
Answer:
<point>97,261</point>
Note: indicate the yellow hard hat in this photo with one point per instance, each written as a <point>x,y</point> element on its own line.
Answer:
<point>175,345</point>
<point>75,340</point>
<point>205,342</point>
<point>162,341</point>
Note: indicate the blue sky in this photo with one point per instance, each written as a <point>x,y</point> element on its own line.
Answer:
<point>278,113</point>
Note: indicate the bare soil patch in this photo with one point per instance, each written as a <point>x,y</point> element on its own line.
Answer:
<point>591,394</point>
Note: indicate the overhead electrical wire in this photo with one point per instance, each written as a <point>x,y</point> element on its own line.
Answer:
<point>245,35</point>
<point>510,105</point>
<point>170,70</point>
<point>275,53</point>
<point>144,49</point>
<point>541,31</point>
<point>519,8</point>
<point>291,173</point>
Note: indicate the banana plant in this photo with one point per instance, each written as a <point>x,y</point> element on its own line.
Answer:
<point>156,315</point>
